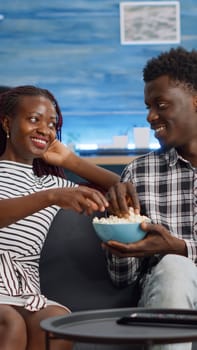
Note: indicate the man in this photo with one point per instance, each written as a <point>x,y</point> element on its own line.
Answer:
<point>164,263</point>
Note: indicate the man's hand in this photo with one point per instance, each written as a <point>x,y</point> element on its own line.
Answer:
<point>121,196</point>
<point>157,241</point>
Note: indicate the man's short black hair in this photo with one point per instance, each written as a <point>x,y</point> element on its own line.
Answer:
<point>178,63</point>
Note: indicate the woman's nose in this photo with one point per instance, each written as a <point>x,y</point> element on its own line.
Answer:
<point>43,128</point>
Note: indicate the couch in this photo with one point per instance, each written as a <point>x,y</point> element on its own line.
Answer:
<point>73,272</point>
<point>73,269</point>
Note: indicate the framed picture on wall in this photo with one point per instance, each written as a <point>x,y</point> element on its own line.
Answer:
<point>150,22</point>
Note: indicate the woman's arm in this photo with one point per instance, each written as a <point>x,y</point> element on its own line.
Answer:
<point>80,199</point>
<point>119,195</point>
<point>59,155</point>
<point>94,174</point>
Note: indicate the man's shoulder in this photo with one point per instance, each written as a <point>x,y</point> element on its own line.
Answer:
<point>153,155</point>
<point>156,158</point>
<point>150,163</point>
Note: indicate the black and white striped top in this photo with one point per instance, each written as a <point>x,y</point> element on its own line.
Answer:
<point>21,242</point>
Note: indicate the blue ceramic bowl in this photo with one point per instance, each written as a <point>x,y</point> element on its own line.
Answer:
<point>124,232</point>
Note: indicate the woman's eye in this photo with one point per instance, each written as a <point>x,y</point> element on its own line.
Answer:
<point>52,125</point>
<point>33,119</point>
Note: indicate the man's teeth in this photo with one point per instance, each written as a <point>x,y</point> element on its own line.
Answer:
<point>160,128</point>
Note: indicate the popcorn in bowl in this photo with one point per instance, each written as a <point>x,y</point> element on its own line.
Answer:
<point>125,230</point>
<point>112,219</point>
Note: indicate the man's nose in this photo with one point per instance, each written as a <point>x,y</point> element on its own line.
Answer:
<point>152,115</point>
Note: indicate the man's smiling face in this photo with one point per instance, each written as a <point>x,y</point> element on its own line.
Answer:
<point>172,111</point>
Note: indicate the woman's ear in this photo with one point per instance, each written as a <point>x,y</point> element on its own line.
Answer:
<point>5,125</point>
<point>195,102</point>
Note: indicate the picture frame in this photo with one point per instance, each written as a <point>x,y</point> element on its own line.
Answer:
<point>150,22</point>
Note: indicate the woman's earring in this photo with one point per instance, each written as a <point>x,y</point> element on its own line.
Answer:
<point>8,135</point>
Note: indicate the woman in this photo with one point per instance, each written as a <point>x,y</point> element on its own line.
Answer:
<point>31,193</point>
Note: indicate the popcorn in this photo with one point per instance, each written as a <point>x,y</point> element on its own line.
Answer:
<point>112,219</point>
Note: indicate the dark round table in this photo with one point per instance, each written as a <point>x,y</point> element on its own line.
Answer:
<point>101,327</point>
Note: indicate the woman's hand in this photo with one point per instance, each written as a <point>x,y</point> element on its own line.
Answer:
<point>157,241</point>
<point>56,153</point>
<point>81,199</point>
<point>121,196</point>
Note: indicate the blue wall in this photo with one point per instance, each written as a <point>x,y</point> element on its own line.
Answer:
<point>73,49</point>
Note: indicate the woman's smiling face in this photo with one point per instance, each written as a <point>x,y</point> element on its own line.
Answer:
<point>31,130</point>
<point>172,111</point>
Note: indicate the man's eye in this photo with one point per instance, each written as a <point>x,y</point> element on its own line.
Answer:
<point>162,105</point>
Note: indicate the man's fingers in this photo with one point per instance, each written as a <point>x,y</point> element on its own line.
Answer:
<point>117,199</point>
<point>121,196</point>
<point>132,197</point>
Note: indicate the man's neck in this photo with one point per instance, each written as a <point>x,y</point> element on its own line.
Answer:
<point>189,154</point>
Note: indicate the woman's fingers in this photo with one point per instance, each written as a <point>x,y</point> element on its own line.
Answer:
<point>86,200</point>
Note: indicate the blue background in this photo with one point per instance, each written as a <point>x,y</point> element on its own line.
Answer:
<point>73,49</point>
